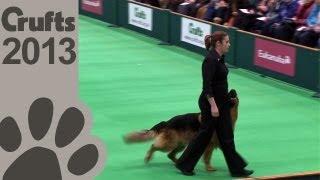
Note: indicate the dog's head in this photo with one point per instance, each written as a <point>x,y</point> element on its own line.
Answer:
<point>234,101</point>
<point>232,93</point>
<point>233,97</point>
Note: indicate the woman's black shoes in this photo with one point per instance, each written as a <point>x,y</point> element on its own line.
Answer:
<point>242,173</point>
<point>185,172</point>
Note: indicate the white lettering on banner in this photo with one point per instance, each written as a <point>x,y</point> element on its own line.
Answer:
<point>193,32</point>
<point>92,3</point>
<point>195,40</point>
<point>275,56</point>
<point>146,25</point>
<point>279,59</point>
<point>140,16</point>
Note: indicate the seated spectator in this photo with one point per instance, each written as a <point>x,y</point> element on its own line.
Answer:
<point>218,11</point>
<point>236,5</point>
<point>309,35</point>
<point>262,7</point>
<point>242,4</point>
<point>163,4</point>
<point>303,12</point>
<point>286,28</point>
<point>201,11</point>
<point>287,10</point>
<point>173,4</point>
<point>268,10</point>
<point>190,7</point>
<point>246,18</point>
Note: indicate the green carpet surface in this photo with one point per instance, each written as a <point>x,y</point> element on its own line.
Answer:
<point>129,82</point>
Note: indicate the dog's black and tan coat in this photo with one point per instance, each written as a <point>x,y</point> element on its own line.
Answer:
<point>173,136</point>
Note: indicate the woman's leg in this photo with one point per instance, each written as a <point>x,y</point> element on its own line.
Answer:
<point>226,138</point>
<point>197,146</point>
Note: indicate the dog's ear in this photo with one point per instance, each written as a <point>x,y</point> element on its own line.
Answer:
<point>233,93</point>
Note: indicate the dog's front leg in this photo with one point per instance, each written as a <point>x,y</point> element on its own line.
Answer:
<point>207,157</point>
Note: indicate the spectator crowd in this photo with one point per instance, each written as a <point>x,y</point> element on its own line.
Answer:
<point>296,21</point>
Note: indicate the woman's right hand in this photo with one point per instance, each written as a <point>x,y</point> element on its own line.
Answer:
<point>214,111</point>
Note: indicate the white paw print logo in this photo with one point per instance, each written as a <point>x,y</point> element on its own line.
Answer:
<point>54,162</point>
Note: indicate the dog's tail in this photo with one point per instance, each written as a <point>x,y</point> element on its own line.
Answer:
<point>139,136</point>
<point>145,135</point>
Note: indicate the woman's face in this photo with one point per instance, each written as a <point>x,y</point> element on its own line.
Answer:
<point>225,44</point>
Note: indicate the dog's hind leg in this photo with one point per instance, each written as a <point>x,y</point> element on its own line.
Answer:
<point>207,157</point>
<point>173,153</point>
<point>161,143</point>
<point>149,154</point>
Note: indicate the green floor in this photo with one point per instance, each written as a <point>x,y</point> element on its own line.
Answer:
<point>130,83</point>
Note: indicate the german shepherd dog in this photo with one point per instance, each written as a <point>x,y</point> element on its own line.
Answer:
<point>174,135</point>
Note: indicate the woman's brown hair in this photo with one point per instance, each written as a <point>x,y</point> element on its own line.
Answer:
<point>211,40</point>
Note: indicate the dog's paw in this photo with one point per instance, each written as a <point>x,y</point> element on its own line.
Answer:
<point>147,158</point>
<point>51,162</point>
<point>210,168</point>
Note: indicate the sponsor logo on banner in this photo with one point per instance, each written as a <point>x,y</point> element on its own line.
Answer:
<point>193,32</point>
<point>94,6</point>
<point>140,16</point>
<point>274,56</point>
